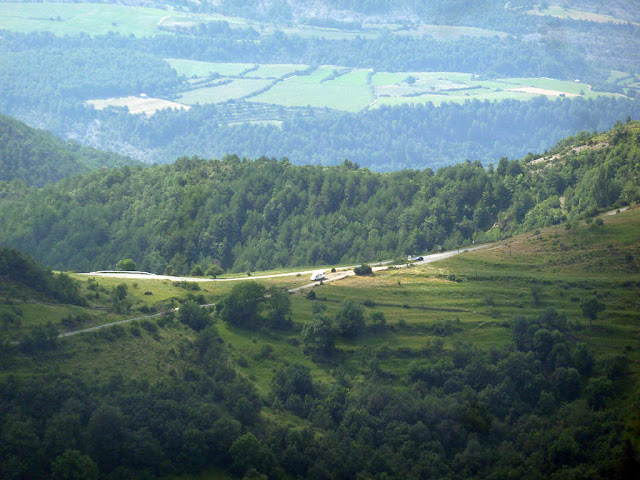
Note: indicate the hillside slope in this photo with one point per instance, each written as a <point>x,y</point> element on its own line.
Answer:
<point>481,366</point>
<point>38,157</point>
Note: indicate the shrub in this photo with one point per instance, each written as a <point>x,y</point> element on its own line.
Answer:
<point>363,269</point>
<point>149,326</point>
<point>126,264</point>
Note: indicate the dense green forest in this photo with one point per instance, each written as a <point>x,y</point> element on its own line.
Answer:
<point>251,215</point>
<point>37,157</point>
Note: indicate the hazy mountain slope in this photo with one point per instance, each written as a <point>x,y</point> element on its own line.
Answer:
<point>38,157</point>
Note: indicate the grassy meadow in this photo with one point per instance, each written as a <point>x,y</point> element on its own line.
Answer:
<point>346,89</point>
<point>354,90</point>
<point>102,18</point>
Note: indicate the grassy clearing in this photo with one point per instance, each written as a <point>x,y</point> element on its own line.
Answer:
<point>222,93</point>
<point>275,70</point>
<point>471,298</point>
<point>564,86</point>
<point>440,87</point>
<point>70,18</point>
<point>101,18</point>
<point>195,68</point>
<point>348,92</point>
<point>143,356</point>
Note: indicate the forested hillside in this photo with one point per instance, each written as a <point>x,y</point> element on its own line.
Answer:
<point>250,215</point>
<point>37,157</point>
<point>515,361</point>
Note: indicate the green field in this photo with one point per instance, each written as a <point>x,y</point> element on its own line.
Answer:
<point>275,70</point>
<point>348,92</point>
<point>236,89</point>
<point>348,89</point>
<point>73,18</point>
<point>101,18</point>
<point>194,68</point>
<point>441,87</point>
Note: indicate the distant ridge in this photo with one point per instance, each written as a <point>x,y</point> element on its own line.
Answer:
<point>38,157</point>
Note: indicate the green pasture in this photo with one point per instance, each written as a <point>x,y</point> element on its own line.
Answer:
<point>73,18</point>
<point>440,87</point>
<point>195,68</point>
<point>275,70</point>
<point>423,79</point>
<point>236,89</point>
<point>349,92</point>
<point>101,18</point>
<point>472,297</point>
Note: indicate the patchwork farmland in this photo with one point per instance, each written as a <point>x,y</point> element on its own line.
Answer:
<point>342,88</point>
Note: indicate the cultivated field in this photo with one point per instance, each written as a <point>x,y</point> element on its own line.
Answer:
<point>195,68</point>
<point>348,92</point>
<point>354,90</point>
<point>146,105</point>
<point>238,88</point>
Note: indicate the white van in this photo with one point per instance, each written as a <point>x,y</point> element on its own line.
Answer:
<point>318,275</point>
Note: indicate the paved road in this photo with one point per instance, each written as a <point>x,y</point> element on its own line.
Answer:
<point>344,272</point>
<point>380,266</point>
<point>376,267</point>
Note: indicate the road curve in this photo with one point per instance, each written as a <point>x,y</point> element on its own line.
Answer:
<point>376,267</point>
<point>331,277</point>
